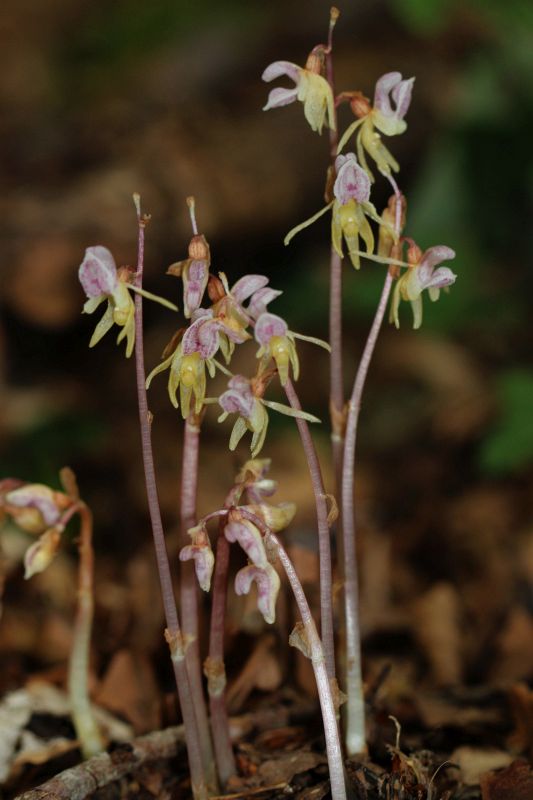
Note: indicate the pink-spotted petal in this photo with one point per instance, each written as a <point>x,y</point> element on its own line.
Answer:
<point>267,582</point>
<point>235,402</point>
<point>443,276</point>
<point>279,68</point>
<point>267,326</point>
<point>204,561</point>
<point>98,272</point>
<point>38,496</point>
<point>352,182</point>
<point>247,535</point>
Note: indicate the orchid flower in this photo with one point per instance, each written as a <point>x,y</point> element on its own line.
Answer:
<point>101,281</point>
<point>246,534</point>
<point>383,117</point>
<point>268,583</point>
<point>253,476</point>
<point>34,507</point>
<point>421,274</point>
<point>277,341</point>
<point>201,553</point>
<point>194,272</point>
<point>311,89</point>
<point>350,208</point>
<point>240,399</point>
<point>188,361</point>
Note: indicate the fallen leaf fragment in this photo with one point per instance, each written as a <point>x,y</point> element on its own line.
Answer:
<point>513,783</point>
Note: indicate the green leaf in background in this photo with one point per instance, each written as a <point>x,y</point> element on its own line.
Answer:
<point>424,16</point>
<point>509,446</point>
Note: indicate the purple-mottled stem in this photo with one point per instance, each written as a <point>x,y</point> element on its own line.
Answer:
<point>214,666</point>
<point>333,745</point>
<point>189,589</point>
<point>355,737</point>
<point>78,670</point>
<point>324,544</point>
<point>173,632</point>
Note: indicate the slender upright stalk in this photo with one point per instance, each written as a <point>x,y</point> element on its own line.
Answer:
<point>336,385</point>
<point>316,651</point>
<point>189,589</point>
<point>214,665</point>
<point>324,544</point>
<point>173,632</point>
<point>78,671</point>
<point>355,708</point>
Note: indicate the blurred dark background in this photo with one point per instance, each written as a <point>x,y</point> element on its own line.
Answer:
<point>100,99</point>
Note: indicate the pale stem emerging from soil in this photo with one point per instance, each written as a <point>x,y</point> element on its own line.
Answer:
<point>78,671</point>
<point>214,666</point>
<point>324,544</point>
<point>189,589</point>
<point>173,633</point>
<point>333,746</point>
<point>355,737</point>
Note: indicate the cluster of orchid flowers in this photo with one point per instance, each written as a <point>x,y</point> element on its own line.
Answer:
<point>192,352</point>
<point>350,197</point>
<point>40,511</point>
<point>245,524</point>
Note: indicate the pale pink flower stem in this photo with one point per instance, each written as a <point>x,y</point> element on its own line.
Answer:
<point>324,543</point>
<point>331,732</point>
<point>355,737</point>
<point>173,632</point>
<point>78,670</point>
<point>336,384</point>
<point>214,666</point>
<point>189,589</point>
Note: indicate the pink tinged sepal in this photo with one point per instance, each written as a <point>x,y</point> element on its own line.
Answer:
<point>352,181</point>
<point>98,272</point>
<point>268,583</point>
<point>201,553</point>
<point>41,554</point>
<point>35,507</point>
<point>247,285</point>
<point>260,300</point>
<point>248,537</point>
<point>238,399</point>
<point>387,119</point>
<point>279,68</point>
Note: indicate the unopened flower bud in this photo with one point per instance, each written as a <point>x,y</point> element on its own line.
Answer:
<point>360,105</point>
<point>215,289</point>
<point>275,517</point>
<point>35,507</point>
<point>42,553</point>
<point>198,248</point>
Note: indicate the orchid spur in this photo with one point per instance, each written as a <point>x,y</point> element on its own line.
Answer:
<point>383,117</point>
<point>311,89</point>
<point>101,281</point>
<point>244,397</point>
<point>421,274</point>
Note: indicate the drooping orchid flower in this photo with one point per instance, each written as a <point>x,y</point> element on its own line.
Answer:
<point>311,89</point>
<point>188,360</point>
<point>101,281</point>
<point>277,342</point>
<point>421,274</point>
<point>194,272</point>
<point>201,553</point>
<point>382,117</point>
<point>243,397</point>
